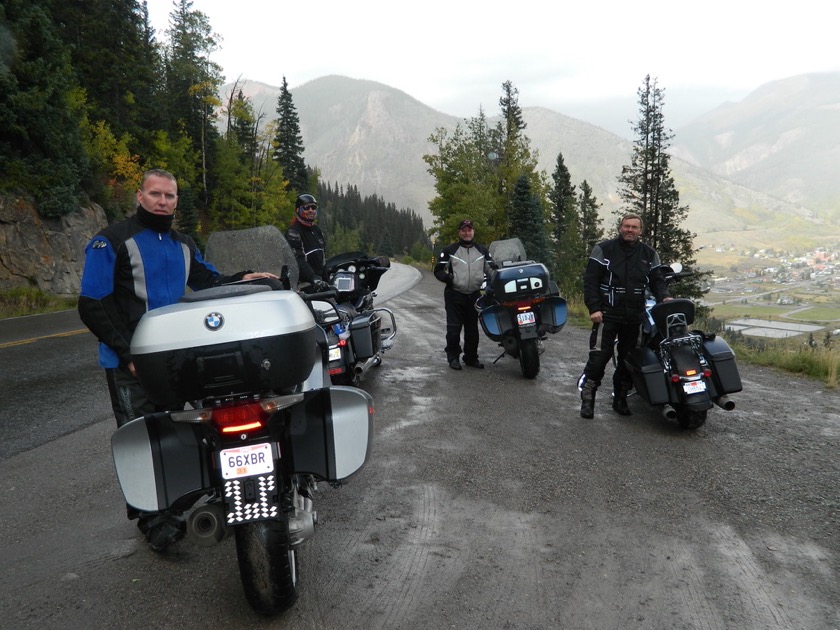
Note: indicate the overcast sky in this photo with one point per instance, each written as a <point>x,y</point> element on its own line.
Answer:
<point>453,55</point>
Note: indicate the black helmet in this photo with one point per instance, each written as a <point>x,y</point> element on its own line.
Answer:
<point>305,199</point>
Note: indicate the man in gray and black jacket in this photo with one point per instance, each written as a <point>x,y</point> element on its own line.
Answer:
<point>614,282</point>
<point>463,266</point>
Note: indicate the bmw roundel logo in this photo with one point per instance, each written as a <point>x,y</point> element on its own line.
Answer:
<point>214,321</point>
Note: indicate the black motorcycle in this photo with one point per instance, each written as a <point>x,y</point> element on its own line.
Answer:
<point>358,332</point>
<point>518,308</point>
<point>684,372</point>
<point>263,428</point>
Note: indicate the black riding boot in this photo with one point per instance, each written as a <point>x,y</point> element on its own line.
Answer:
<point>620,402</point>
<point>587,399</point>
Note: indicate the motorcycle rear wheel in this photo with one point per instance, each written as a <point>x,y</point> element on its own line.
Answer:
<point>268,565</point>
<point>529,358</point>
<point>690,419</point>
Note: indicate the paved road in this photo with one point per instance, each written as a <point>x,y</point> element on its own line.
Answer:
<point>488,503</point>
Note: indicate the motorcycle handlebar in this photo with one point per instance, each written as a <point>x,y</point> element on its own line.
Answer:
<point>321,295</point>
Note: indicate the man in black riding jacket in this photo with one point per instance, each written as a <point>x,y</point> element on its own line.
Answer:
<point>462,266</point>
<point>132,267</point>
<point>308,243</point>
<point>614,285</point>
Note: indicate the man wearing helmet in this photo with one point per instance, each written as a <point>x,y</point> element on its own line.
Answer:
<point>307,242</point>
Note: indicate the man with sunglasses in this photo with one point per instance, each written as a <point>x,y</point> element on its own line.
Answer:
<point>308,244</point>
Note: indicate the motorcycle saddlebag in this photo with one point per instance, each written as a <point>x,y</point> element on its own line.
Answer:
<point>520,281</point>
<point>331,432</point>
<point>552,314</point>
<point>725,374</point>
<point>365,331</point>
<point>159,462</point>
<point>648,376</point>
<point>495,321</point>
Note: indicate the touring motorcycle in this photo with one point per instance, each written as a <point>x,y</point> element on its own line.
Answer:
<point>261,428</point>
<point>684,372</point>
<point>519,306</point>
<point>358,333</point>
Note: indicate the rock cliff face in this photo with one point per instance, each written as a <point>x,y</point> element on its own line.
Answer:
<point>45,253</point>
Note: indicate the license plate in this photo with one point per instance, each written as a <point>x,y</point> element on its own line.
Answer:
<point>335,353</point>
<point>694,387</point>
<point>524,319</point>
<point>245,461</point>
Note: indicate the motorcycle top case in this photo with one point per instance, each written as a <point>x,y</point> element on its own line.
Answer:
<point>162,464</point>
<point>224,341</point>
<point>520,281</point>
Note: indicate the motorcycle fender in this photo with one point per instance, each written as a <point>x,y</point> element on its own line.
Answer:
<point>158,462</point>
<point>528,332</point>
<point>330,432</point>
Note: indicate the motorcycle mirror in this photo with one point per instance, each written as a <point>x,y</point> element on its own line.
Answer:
<point>676,267</point>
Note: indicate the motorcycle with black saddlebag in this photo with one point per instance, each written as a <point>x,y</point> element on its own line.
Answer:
<point>358,332</point>
<point>263,427</point>
<point>684,372</point>
<point>519,307</point>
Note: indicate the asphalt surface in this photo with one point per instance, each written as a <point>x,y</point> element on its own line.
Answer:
<point>487,503</point>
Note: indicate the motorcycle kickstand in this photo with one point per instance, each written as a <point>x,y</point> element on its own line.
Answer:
<point>499,357</point>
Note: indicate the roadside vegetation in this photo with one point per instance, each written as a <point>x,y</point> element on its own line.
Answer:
<point>31,301</point>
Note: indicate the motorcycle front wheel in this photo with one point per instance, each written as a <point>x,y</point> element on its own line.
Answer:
<point>690,419</point>
<point>268,565</point>
<point>529,358</point>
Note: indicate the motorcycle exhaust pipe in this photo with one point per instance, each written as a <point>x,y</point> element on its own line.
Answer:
<point>364,367</point>
<point>725,403</point>
<point>206,525</point>
<point>669,412</point>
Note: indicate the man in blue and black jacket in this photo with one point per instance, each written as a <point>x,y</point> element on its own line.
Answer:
<point>131,267</point>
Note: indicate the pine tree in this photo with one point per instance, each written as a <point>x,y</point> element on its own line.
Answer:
<point>526,221</point>
<point>568,257</point>
<point>41,109</point>
<point>591,224</point>
<point>192,84</point>
<point>288,143</point>
<point>647,188</point>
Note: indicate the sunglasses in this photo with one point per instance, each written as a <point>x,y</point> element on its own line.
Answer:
<point>310,207</point>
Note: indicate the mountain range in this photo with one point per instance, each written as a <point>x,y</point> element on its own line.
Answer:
<point>758,173</point>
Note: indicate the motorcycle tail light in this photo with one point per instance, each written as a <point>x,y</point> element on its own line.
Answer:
<point>707,373</point>
<point>691,372</point>
<point>240,418</point>
<point>675,378</point>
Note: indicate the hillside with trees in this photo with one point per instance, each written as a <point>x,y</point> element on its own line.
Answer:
<point>91,96</point>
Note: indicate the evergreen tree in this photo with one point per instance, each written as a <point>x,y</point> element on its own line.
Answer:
<point>192,83</point>
<point>41,110</point>
<point>647,188</point>
<point>476,168</point>
<point>591,224</point>
<point>526,221</point>
<point>288,143</point>
<point>568,256</point>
